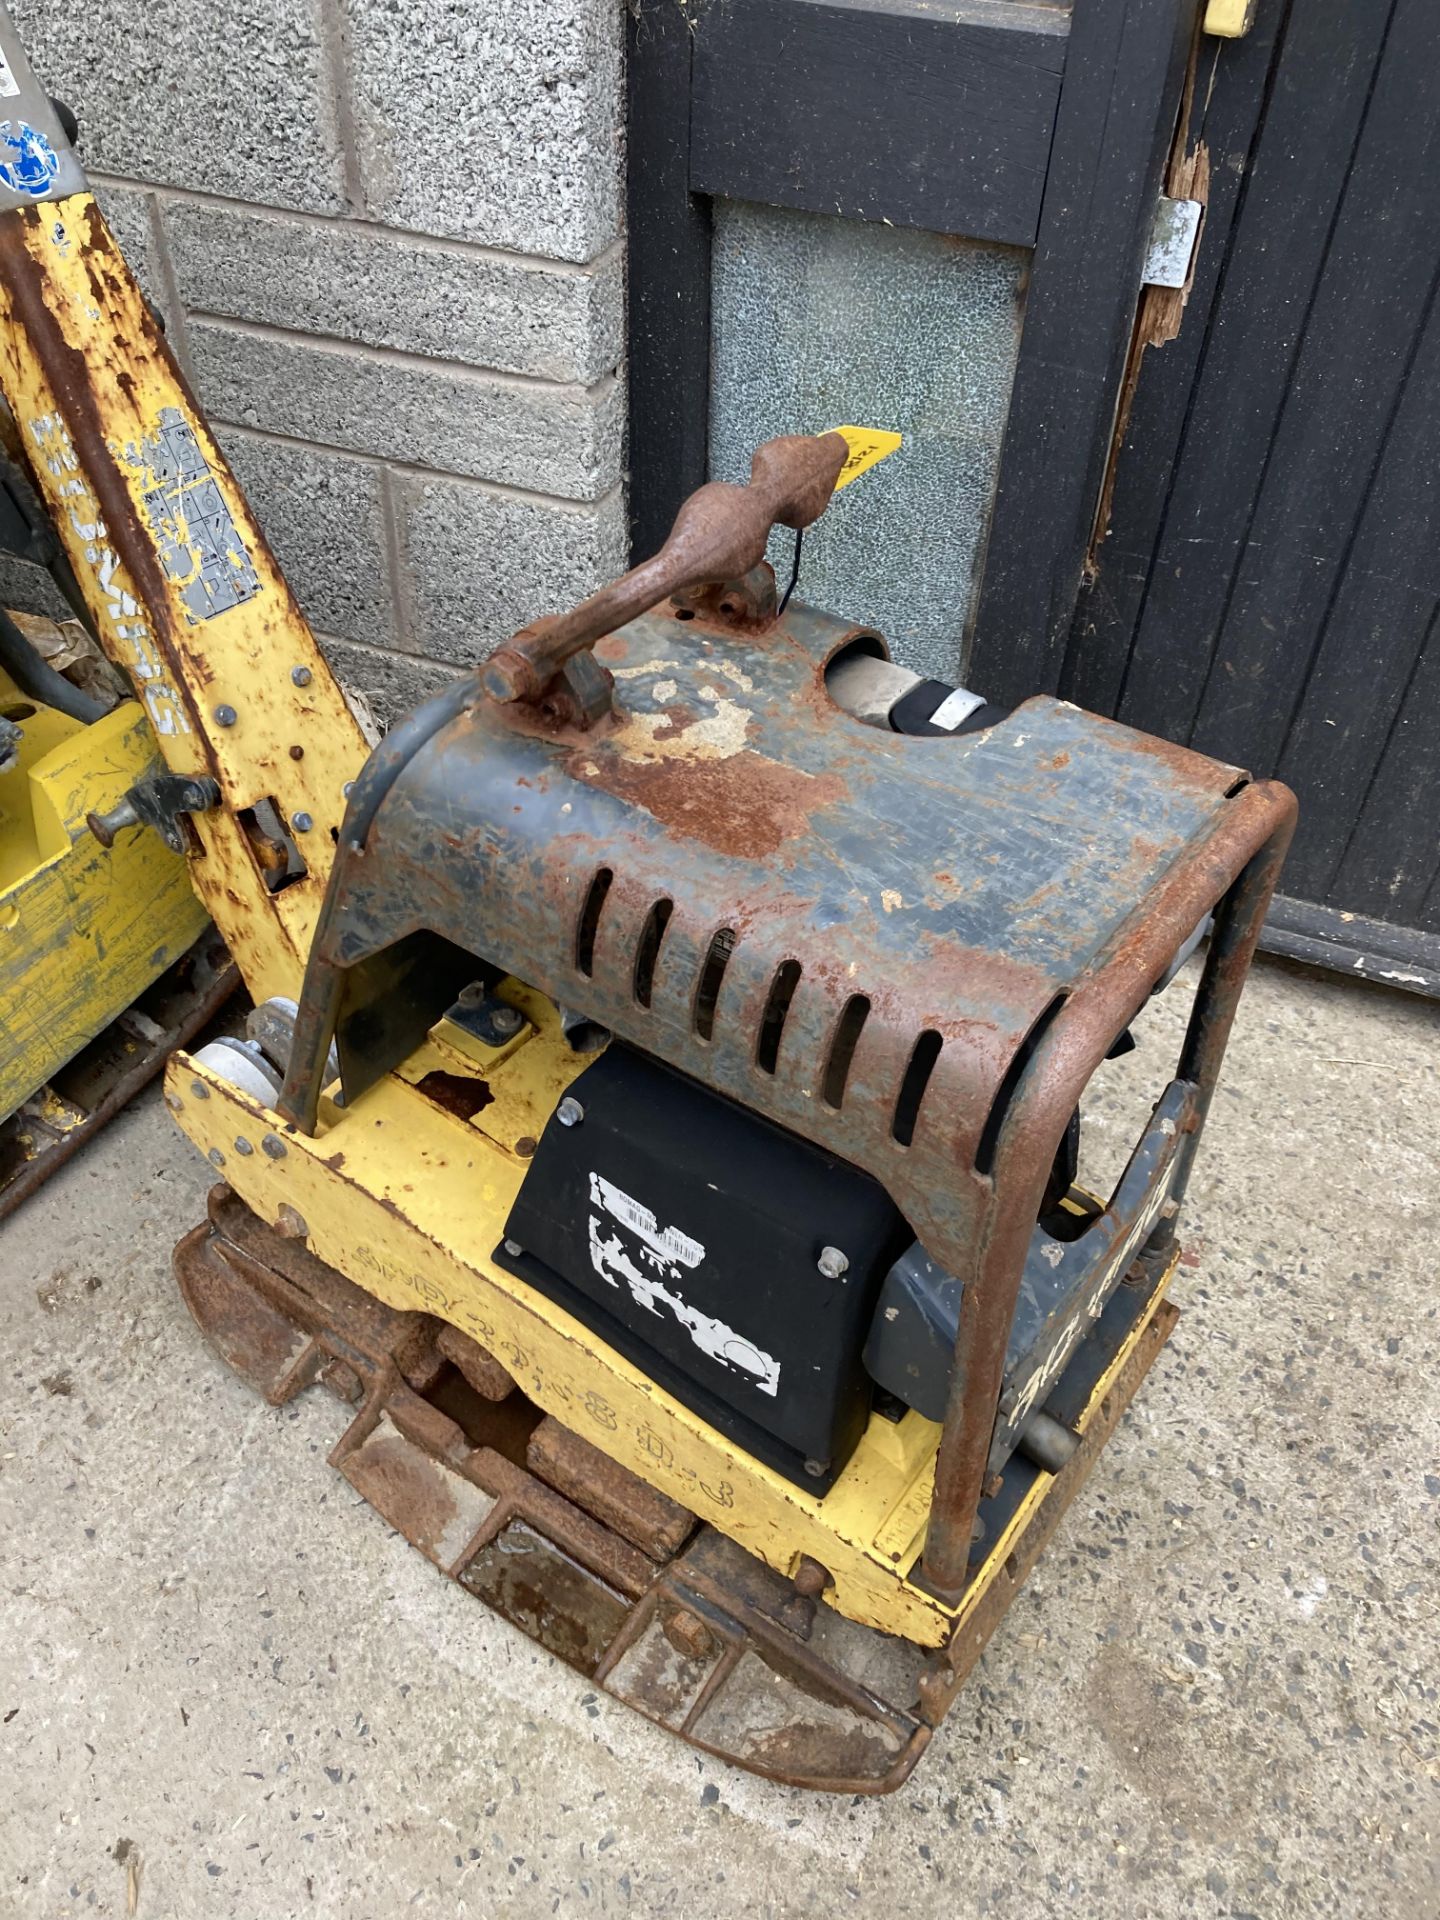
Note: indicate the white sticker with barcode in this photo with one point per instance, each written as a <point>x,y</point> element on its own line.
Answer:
<point>650,1266</point>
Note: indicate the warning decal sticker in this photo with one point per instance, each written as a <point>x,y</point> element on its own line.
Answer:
<point>195,535</point>
<point>627,1245</point>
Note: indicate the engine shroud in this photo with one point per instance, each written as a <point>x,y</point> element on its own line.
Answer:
<point>659,873</point>
<point>911,951</point>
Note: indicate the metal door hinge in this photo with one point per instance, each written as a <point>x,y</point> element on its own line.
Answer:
<point>1172,242</point>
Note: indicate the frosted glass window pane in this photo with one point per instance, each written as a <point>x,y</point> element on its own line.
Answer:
<point>821,322</point>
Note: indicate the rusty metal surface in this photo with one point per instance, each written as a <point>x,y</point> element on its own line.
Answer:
<point>240,695</point>
<point>695,1633</point>
<point>656,1524</point>
<point>944,1677</point>
<point>483,1371</point>
<point>719,535</point>
<point>1235,870</point>
<point>962,926</point>
<point>91,1089</point>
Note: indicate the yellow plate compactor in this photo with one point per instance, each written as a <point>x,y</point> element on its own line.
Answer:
<point>659,1118</point>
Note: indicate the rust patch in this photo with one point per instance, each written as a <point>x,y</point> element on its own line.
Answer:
<point>480,1367</point>
<point>457,1093</point>
<point>647,1518</point>
<point>746,805</point>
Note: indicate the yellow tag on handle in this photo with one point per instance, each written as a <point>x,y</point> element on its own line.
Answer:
<point>868,446</point>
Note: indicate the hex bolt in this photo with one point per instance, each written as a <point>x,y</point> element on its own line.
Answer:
<point>816,1469</point>
<point>833,1263</point>
<point>569,1112</point>
<point>243,1146</point>
<point>507,1019</point>
<point>274,1146</point>
<point>688,1634</point>
<point>225,716</point>
<point>514,1249</point>
<point>302,822</point>
<point>302,676</point>
<point>215,1157</point>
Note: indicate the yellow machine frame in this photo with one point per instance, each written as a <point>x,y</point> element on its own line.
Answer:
<point>398,1194</point>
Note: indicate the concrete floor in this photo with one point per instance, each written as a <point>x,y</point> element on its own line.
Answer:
<point>228,1690</point>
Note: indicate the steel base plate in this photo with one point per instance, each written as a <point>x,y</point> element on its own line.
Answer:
<point>664,1613</point>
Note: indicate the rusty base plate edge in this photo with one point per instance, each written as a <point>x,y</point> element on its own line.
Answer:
<point>699,1637</point>
<point>105,1075</point>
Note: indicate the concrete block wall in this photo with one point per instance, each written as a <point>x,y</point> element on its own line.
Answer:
<point>386,244</point>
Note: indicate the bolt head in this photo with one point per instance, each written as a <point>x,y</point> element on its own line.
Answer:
<point>514,1249</point>
<point>215,1157</point>
<point>302,676</point>
<point>507,1019</point>
<point>833,1263</point>
<point>225,716</point>
<point>243,1146</point>
<point>274,1146</point>
<point>569,1112</point>
<point>688,1634</point>
<point>199,1089</point>
<point>302,822</point>
<point>816,1469</point>
<point>292,1225</point>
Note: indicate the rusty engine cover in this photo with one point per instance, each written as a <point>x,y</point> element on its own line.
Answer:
<point>913,952</point>
<point>930,899</point>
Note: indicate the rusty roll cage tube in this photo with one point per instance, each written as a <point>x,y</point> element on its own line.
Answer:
<point>720,533</point>
<point>1238,865</point>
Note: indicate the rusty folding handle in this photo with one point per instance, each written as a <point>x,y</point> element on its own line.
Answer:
<point>719,534</point>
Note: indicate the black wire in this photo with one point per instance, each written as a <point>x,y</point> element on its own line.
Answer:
<point>794,571</point>
<point>37,678</point>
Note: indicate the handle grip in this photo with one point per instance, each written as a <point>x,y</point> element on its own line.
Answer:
<point>719,533</point>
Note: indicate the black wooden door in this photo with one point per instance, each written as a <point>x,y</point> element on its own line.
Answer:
<point>1019,124</point>
<point>1269,586</point>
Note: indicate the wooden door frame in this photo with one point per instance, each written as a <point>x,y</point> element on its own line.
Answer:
<point>1044,128</point>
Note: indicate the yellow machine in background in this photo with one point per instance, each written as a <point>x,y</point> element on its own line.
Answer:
<point>85,930</point>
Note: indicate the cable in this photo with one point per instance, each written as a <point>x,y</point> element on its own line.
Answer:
<point>794,572</point>
<point>38,679</point>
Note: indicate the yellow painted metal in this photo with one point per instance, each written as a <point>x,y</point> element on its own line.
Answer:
<point>1229,19</point>
<point>408,1198</point>
<point>401,1192</point>
<point>90,380</point>
<point>82,930</point>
